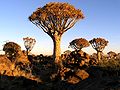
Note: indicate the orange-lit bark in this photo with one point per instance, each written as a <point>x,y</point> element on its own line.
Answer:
<point>99,55</point>
<point>57,50</point>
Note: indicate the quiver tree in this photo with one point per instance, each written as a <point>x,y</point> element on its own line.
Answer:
<point>79,43</point>
<point>12,50</point>
<point>98,44</point>
<point>29,44</point>
<point>111,55</point>
<point>56,18</point>
<point>78,58</point>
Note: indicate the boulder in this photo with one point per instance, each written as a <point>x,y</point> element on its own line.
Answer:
<point>84,55</point>
<point>82,74</point>
<point>73,80</point>
<point>78,76</point>
<point>15,62</point>
<point>5,64</point>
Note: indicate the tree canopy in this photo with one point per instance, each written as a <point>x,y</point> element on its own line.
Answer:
<point>56,17</point>
<point>79,43</point>
<point>29,43</point>
<point>11,50</point>
<point>98,43</point>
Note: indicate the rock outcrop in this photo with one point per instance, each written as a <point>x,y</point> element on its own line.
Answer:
<point>15,62</point>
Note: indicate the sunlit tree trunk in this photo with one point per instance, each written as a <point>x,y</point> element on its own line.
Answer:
<point>57,50</point>
<point>99,55</point>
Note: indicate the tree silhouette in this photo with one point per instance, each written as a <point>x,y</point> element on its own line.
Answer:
<point>98,44</point>
<point>79,43</point>
<point>56,18</point>
<point>29,44</point>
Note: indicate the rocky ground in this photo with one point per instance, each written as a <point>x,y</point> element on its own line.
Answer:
<point>12,77</point>
<point>22,83</point>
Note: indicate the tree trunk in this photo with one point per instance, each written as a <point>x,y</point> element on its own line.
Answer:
<point>99,55</point>
<point>57,50</point>
<point>27,53</point>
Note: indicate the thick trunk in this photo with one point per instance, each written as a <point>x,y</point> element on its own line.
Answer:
<point>99,55</point>
<point>57,50</point>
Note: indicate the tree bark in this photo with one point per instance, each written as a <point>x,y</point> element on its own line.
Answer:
<point>57,50</point>
<point>99,55</point>
<point>27,53</point>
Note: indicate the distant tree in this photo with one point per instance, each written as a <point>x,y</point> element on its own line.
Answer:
<point>111,55</point>
<point>29,44</point>
<point>98,44</point>
<point>55,18</point>
<point>11,50</point>
<point>79,43</point>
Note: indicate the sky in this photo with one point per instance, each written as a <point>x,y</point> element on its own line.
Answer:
<point>102,19</point>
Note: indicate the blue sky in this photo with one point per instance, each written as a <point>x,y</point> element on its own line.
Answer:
<point>102,19</point>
